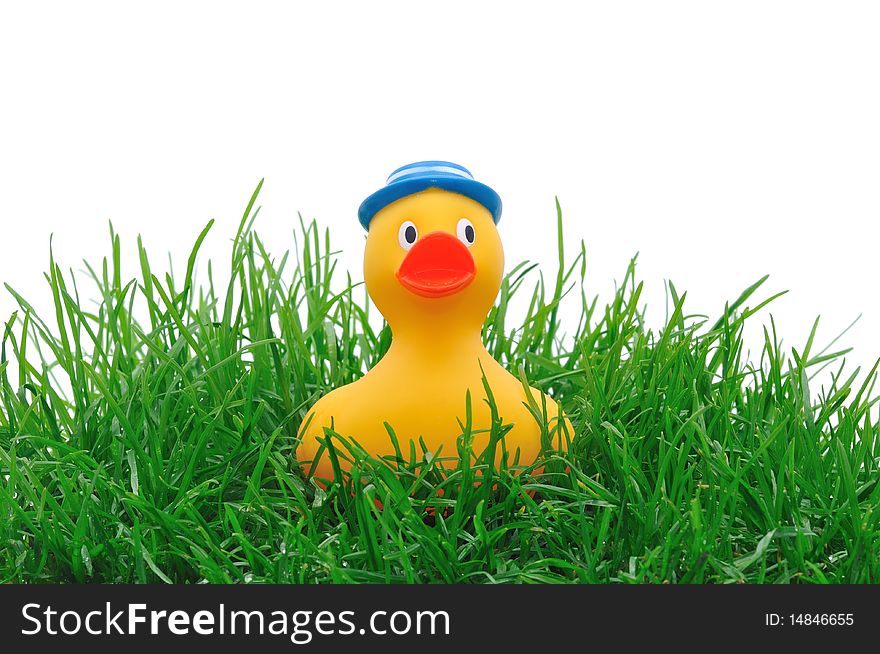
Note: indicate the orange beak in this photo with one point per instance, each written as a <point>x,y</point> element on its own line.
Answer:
<point>437,265</point>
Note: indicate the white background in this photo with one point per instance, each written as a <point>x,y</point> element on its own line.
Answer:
<point>722,141</point>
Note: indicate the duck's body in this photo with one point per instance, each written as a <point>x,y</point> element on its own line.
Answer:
<point>422,394</point>
<point>434,290</point>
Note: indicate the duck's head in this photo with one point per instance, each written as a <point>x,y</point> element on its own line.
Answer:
<point>433,254</point>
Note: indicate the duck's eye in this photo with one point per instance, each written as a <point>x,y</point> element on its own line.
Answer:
<point>465,232</point>
<point>407,235</point>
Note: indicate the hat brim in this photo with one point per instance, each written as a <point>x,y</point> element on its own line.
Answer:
<point>473,189</point>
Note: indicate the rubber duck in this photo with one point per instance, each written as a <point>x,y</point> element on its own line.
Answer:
<point>433,266</point>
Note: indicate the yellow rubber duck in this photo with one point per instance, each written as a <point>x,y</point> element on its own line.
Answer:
<point>433,266</point>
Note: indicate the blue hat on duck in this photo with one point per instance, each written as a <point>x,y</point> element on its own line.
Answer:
<point>423,175</point>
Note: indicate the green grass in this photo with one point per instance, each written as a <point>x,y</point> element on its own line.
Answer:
<point>162,449</point>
